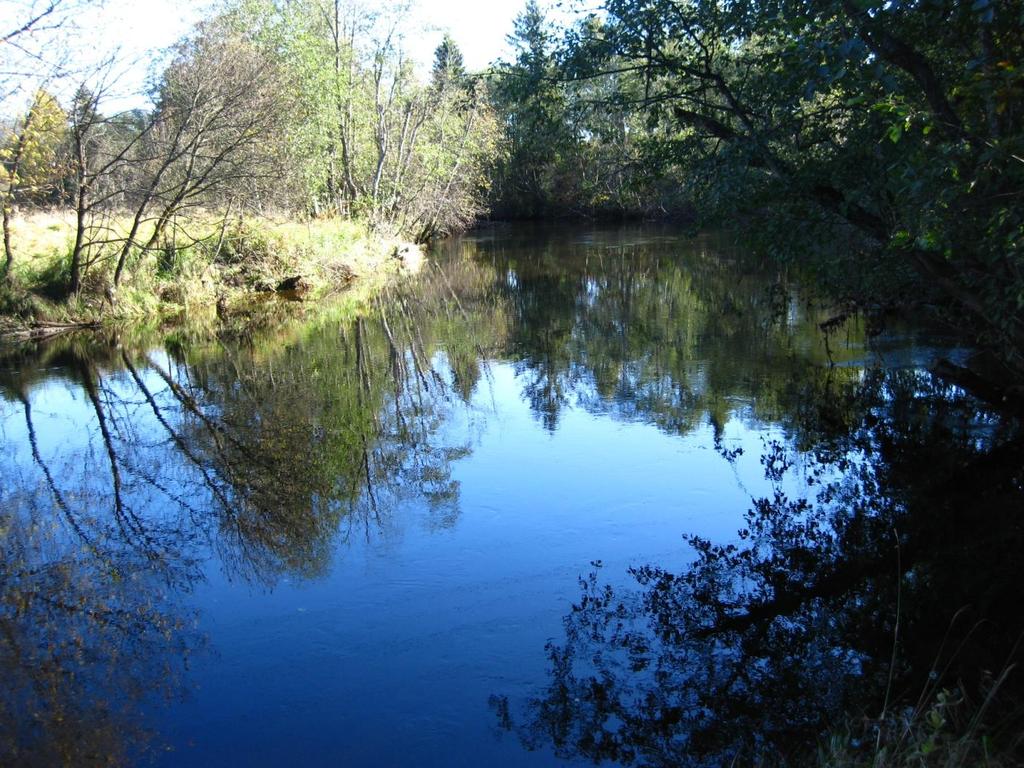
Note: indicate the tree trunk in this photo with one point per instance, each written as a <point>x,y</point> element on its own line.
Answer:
<point>75,279</point>
<point>8,249</point>
<point>8,201</point>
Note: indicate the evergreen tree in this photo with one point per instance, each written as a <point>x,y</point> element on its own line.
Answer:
<point>532,100</point>
<point>449,69</point>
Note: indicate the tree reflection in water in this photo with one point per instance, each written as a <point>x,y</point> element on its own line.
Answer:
<point>645,327</point>
<point>898,577</point>
<point>86,634</point>
<point>265,448</point>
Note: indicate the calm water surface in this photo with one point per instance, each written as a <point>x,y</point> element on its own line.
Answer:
<point>346,539</point>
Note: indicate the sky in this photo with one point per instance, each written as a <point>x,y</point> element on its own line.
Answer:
<point>478,26</point>
<point>140,29</point>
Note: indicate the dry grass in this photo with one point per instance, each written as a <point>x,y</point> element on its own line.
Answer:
<point>41,235</point>
<point>201,264</point>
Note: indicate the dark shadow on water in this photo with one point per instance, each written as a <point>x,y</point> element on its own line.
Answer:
<point>890,590</point>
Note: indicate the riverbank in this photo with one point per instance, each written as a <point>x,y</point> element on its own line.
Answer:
<point>212,271</point>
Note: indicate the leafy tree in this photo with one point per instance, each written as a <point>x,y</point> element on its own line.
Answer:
<point>369,139</point>
<point>532,103</point>
<point>31,158</point>
<point>893,123</point>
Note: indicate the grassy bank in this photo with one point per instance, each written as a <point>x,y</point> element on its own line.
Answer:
<point>213,266</point>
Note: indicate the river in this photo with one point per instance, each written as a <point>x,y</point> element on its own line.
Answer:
<point>448,528</point>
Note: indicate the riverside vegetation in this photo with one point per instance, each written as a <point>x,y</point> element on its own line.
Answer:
<point>274,143</point>
<point>218,271</point>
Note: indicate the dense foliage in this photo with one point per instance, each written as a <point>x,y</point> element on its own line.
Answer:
<point>882,139</point>
<point>895,127</point>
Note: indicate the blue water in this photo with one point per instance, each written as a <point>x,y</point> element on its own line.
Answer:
<point>573,394</point>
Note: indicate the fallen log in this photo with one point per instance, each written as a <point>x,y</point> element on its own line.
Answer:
<point>43,329</point>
